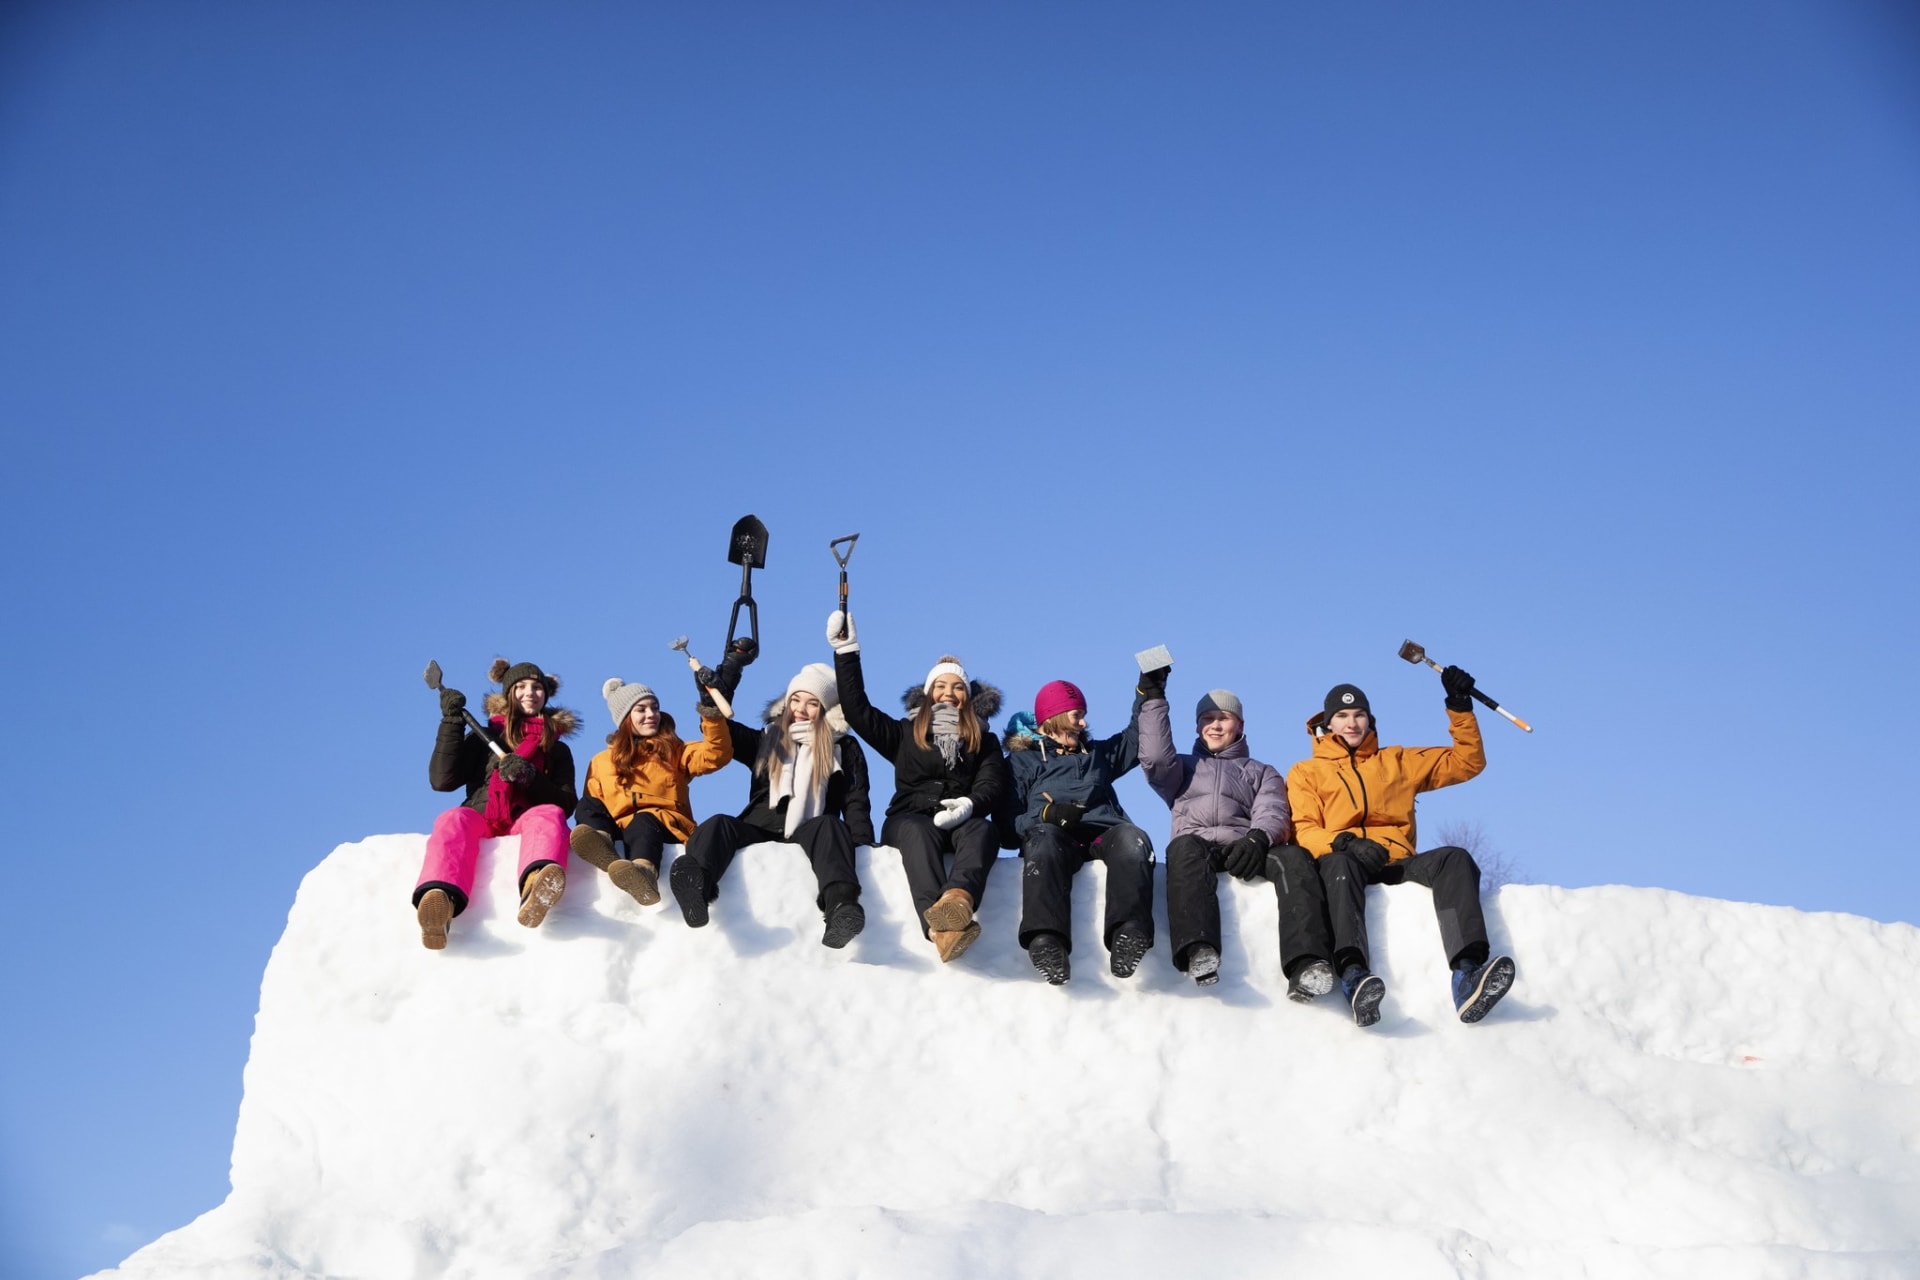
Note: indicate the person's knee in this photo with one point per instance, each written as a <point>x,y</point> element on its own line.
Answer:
<point>1186,849</point>
<point>1126,843</point>
<point>1289,864</point>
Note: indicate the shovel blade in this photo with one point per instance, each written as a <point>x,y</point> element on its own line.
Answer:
<point>1413,653</point>
<point>748,544</point>
<point>432,674</point>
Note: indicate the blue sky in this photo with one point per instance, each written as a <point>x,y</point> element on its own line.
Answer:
<point>1573,342</point>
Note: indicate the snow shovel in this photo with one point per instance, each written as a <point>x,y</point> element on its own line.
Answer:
<point>473,721</point>
<point>719,698</point>
<point>1416,655</point>
<point>747,547</point>
<point>842,557</point>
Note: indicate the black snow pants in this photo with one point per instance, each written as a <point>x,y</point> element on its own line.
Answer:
<point>643,839</point>
<point>924,849</point>
<point>1052,854</point>
<point>1193,903</point>
<point>828,844</point>
<point>1323,904</point>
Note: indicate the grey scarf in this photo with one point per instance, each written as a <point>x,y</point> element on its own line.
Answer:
<point>946,733</point>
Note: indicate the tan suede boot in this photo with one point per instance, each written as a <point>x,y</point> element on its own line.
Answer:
<point>951,943</point>
<point>641,879</point>
<point>591,846</point>
<point>435,914</point>
<point>952,912</point>
<point>540,892</point>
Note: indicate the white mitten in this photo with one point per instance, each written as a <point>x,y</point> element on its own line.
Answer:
<point>953,813</point>
<point>848,643</point>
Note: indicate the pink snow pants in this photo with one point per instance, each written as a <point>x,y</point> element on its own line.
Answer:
<point>453,850</point>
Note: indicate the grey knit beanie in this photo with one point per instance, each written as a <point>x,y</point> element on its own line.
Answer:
<point>621,697</point>
<point>1220,700</point>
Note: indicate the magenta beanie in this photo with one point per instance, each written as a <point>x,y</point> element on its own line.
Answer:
<point>1057,696</point>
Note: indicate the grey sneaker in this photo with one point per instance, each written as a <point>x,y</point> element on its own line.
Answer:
<point>1203,964</point>
<point>1311,982</point>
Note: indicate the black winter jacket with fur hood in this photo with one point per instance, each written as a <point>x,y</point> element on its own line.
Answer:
<point>847,793</point>
<point>461,757</point>
<point>921,778</point>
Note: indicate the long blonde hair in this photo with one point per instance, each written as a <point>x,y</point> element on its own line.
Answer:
<point>777,748</point>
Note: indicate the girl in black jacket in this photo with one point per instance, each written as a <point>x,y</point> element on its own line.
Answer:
<point>809,788</point>
<point>948,779</point>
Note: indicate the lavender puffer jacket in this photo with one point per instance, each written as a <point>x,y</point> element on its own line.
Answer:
<point>1216,797</point>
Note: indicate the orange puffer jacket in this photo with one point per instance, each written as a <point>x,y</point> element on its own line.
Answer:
<point>660,787</point>
<point>1370,789</point>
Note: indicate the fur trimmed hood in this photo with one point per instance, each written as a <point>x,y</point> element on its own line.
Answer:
<point>984,698</point>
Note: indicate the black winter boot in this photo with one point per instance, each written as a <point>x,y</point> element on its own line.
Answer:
<point>845,916</point>
<point>1311,981</point>
<point>1364,993</point>
<point>1048,951</point>
<point>689,884</point>
<point>1203,964</point>
<point>1129,946</point>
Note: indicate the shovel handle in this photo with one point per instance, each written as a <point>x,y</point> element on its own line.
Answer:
<point>1481,697</point>
<point>719,698</point>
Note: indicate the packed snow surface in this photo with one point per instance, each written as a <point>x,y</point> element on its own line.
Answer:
<point>1677,1086</point>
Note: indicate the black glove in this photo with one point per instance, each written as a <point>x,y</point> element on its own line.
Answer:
<point>1370,854</point>
<point>516,769</point>
<point>1153,684</point>
<point>1246,857</point>
<point>452,703</point>
<point>1062,813</point>
<point>740,655</point>
<point>704,680</point>
<point>1459,687</point>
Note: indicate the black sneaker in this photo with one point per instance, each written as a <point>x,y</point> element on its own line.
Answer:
<point>1203,964</point>
<point>844,923</point>
<point>689,885</point>
<point>1128,949</point>
<point>1364,993</point>
<point>1310,983</point>
<point>1048,951</point>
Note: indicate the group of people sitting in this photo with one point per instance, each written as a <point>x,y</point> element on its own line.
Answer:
<point>1340,820</point>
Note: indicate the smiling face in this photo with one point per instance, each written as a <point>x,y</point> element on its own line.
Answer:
<point>1218,729</point>
<point>529,695</point>
<point>804,707</point>
<point>948,690</point>
<point>1350,725</point>
<point>644,719</point>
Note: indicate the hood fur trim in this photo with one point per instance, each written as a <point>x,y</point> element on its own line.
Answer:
<point>984,697</point>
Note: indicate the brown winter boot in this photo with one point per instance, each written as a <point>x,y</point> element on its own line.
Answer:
<point>591,846</point>
<point>435,914</point>
<point>951,943</point>
<point>640,879</point>
<point>540,892</point>
<point>951,913</point>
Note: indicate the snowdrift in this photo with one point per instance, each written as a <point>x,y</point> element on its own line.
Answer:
<point>1677,1087</point>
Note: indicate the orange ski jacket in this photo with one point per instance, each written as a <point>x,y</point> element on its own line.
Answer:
<point>1370,789</point>
<point>660,787</point>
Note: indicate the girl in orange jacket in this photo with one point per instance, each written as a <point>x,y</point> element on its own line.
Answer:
<point>637,788</point>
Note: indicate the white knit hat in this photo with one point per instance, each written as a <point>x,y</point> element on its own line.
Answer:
<point>817,679</point>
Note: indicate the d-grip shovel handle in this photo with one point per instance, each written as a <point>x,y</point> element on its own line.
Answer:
<point>841,558</point>
<point>473,721</point>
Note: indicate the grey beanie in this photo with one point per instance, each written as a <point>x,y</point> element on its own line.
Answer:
<point>622,696</point>
<point>1220,700</point>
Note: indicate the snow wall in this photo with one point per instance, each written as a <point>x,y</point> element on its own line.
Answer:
<point>1677,1086</point>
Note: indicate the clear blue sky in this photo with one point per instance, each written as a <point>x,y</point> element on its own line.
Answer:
<point>1576,342</point>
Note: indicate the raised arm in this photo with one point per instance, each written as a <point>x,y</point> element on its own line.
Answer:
<point>1435,767</point>
<point>1158,759</point>
<point>714,751</point>
<point>881,731</point>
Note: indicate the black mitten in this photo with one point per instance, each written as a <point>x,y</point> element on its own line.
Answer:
<point>516,769</point>
<point>1153,684</point>
<point>1459,687</point>
<point>452,703</point>
<point>1062,813</point>
<point>1370,854</point>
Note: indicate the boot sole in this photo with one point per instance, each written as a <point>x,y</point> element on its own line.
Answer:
<point>1310,983</point>
<point>1496,979</point>
<point>689,892</point>
<point>1204,969</point>
<point>1366,1001</point>
<point>541,893</point>
<point>1128,951</point>
<point>958,947</point>
<point>435,914</point>
<point>591,847</point>
<point>637,880</point>
<point>1052,962</point>
<point>949,915</point>
<point>844,925</point>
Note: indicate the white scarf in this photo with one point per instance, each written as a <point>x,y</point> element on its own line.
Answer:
<point>795,785</point>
